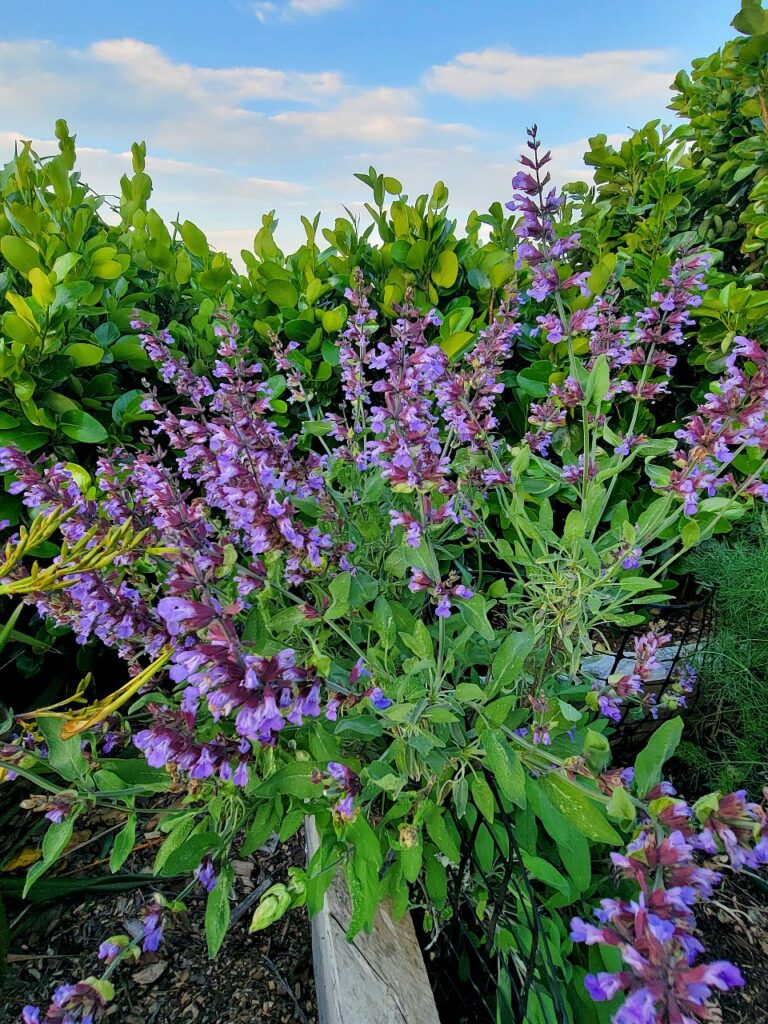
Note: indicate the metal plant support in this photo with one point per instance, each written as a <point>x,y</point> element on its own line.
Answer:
<point>689,621</point>
<point>475,982</point>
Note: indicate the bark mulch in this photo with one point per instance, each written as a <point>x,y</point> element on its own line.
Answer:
<point>734,926</point>
<point>266,977</point>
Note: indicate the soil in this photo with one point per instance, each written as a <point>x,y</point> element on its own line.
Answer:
<point>266,977</point>
<point>734,926</point>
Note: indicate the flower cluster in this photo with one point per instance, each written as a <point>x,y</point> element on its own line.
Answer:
<point>340,786</point>
<point>732,418</point>
<point>468,395</point>
<point>441,590</point>
<point>78,1003</point>
<point>623,686</point>
<point>540,246</point>
<point>655,931</point>
<point>634,348</point>
<point>354,352</point>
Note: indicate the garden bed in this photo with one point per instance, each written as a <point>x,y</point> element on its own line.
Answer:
<point>262,977</point>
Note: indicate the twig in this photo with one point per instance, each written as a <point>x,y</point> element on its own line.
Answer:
<point>273,967</point>
<point>245,905</point>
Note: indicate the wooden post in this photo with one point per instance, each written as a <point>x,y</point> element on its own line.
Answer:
<point>378,978</point>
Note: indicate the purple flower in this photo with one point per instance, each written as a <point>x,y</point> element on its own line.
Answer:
<point>345,808</point>
<point>638,1008</point>
<point>604,986</point>
<point>30,1015</point>
<point>110,949</point>
<point>152,934</point>
<point>206,875</point>
<point>632,559</point>
<point>582,931</point>
<point>723,975</point>
<point>180,615</point>
<point>377,698</point>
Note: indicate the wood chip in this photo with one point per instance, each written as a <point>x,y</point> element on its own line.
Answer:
<point>151,973</point>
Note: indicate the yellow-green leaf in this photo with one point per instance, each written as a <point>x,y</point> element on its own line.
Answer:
<point>446,269</point>
<point>84,354</point>
<point>19,253</point>
<point>455,343</point>
<point>43,291</point>
<point>194,239</point>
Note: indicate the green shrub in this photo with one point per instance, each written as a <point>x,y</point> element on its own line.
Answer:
<point>730,717</point>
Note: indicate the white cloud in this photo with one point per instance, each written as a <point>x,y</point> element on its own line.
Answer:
<point>267,10</point>
<point>147,67</point>
<point>382,116</point>
<point>316,6</point>
<point>496,73</point>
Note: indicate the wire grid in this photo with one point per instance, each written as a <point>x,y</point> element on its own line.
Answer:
<point>691,622</point>
<point>474,982</point>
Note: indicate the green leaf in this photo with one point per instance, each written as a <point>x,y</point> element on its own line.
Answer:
<point>411,860</point>
<point>454,344</point>
<point>690,533</point>
<point>467,692</point>
<point>64,756</point>
<point>26,438</point>
<point>509,660</point>
<point>81,426</point>
<point>439,834</point>
<point>54,843</point>
<point>478,279</point>
<point>178,832</point>
<point>366,844</point>
<point>134,771</point>
<point>282,293</point>
<point>417,254</point>
<point>659,749</point>
<point>194,239</point>
<point>505,766</point>
<point>473,612</point>
<point>581,811</point>
<point>482,794</point>
<point>19,253</point>
<point>339,589</point>
<point>446,269</point>
<point>598,381</point>
<point>218,911</point>
<point>7,628</point>
<point>43,291</point>
<point>545,872</point>
<point>83,354</point>
<point>127,408</point>
<point>262,827</point>
<point>497,711</point>
<point>123,844</point>
<point>383,623</point>
<point>187,857</point>
<point>293,779</point>
<point>57,173</point>
<point>436,879</point>
<point>620,806</point>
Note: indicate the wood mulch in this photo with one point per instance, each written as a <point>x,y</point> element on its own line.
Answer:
<point>266,977</point>
<point>734,926</point>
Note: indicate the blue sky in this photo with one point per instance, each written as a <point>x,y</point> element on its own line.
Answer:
<point>250,105</point>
